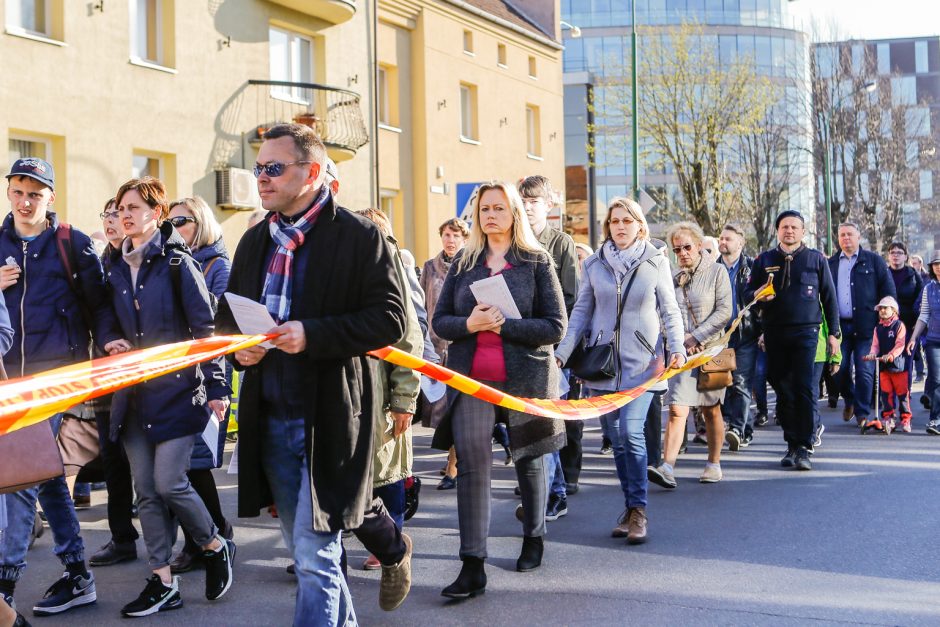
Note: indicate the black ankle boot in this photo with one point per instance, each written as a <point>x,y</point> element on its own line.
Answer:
<point>470,582</point>
<point>531,556</point>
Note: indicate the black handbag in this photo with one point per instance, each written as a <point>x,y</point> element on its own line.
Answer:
<point>600,361</point>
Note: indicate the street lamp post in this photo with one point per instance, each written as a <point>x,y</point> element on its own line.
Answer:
<point>636,126</point>
<point>828,174</point>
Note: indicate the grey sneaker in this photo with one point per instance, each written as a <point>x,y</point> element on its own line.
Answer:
<point>661,476</point>
<point>733,438</point>
<point>711,474</point>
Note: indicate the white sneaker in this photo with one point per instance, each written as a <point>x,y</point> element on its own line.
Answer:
<point>711,474</point>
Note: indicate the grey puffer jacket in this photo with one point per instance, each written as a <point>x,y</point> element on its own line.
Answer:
<point>649,309</point>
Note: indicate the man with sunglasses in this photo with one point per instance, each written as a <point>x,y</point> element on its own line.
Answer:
<point>791,319</point>
<point>327,278</point>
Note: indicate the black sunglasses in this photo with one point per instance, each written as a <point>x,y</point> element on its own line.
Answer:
<point>108,215</point>
<point>679,249</point>
<point>274,169</point>
<point>179,221</point>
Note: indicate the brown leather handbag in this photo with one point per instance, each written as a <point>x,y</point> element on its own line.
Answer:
<point>28,456</point>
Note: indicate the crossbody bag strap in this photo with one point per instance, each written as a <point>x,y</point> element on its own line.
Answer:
<point>623,299</point>
<point>688,304</point>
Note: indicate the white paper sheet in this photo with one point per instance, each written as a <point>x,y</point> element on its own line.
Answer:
<point>251,317</point>
<point>233,463</point>
<point>494,291</point>
<point>210,436</point>
<point>432,388</point>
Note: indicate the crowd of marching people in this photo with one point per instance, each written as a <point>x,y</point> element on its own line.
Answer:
<point>324,431</point>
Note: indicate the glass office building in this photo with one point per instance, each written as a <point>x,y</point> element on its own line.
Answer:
<point>759,29</point>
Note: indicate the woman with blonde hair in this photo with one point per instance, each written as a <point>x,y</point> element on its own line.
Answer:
<point>703,290</point>
<point>486,345</point>
<point>626,299</point>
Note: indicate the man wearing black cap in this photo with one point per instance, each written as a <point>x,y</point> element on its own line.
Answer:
<point>791,320</point>
<point>50,331</point>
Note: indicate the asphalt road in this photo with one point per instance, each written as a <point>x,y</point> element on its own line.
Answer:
<point>849,542</point>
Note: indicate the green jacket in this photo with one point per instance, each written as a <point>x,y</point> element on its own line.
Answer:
<point>394,457</point>
<point>822,346</point>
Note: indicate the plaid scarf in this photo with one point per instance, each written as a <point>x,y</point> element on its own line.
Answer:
<point>289,237</point>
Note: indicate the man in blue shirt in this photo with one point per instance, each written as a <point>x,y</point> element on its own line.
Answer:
<point>862,280</point>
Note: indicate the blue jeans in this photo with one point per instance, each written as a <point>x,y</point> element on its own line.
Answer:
<point>760,382</point>
<point>393,497</point>
<point>818,368</point>
<point>624,428</point>
<point>57,504</point>
<point>932,387</point>
<point>322,594</point>
<point>857,393</point>
<point>737,405</point>
<point>555,477</point>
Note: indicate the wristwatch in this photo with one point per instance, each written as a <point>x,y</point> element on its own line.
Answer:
<point>837,335</point>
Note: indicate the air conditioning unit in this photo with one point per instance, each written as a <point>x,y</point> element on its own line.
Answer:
<point>236,189</point>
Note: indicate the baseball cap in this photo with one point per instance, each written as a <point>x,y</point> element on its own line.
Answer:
<point>34,168</point>
<point>887,301</point>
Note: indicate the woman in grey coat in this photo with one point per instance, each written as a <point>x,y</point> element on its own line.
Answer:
<point>627,268</point>
<point>704,294</point>
<point>486,345</point>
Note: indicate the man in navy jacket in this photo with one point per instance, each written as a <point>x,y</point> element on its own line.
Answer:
<point>50,330</point>
<point>862,279</point>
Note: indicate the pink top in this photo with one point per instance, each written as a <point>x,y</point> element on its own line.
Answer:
<point>489,364</point>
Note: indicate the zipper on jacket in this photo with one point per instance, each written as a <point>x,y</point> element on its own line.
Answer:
<point>644,342</point>
<point>617,335</point>
<point>23,316</point>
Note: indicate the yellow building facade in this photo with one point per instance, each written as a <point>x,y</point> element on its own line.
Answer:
<point>179,89</point>
<point>466,91</point>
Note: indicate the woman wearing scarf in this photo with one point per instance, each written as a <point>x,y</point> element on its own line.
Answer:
<point>158,421</point>
<point>487,346</point>
<point>704,294</point>
<point>628,275</point>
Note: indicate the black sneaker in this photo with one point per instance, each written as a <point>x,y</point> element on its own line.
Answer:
<point>789,459</point>
<point>114,553</point>
<point>156,597</point>
<point>68,592</point>
<point>733,438</point>
<point>219,569</point>
<point>802,461</point>
<point>746,440</point>
<point>760,420</point>
<point>557,507</point>
<point>933,427</point>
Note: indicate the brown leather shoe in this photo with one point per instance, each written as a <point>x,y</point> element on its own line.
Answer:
<point>621,530</point>
<point>636,525</point>
<point>396,580</point>
<point>847,412</point>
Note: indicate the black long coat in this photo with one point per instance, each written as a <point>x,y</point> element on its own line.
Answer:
<point>352,303</point>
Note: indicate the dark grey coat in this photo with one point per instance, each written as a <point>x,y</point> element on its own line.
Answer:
<point>527,345</point>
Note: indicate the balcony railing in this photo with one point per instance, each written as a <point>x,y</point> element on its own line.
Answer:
<point>333,113</point>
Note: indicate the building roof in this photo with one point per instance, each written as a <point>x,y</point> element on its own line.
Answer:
<point>505,10</point>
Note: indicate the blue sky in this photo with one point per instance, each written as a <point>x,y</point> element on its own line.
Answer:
<point>873,19</point>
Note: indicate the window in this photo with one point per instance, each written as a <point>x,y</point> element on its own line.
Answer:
<point>533,136</point>
<point>501,54</point>
<point>387,199</point>
<point>920,57</point>
<point>926,184</point>
<point>22,146</point>
<point>146,165</point>
<point>151,24</point>
<point>468,112</point>
<point>533,69</point>
<point>884,58</point>
<point>28,16</point>
<point>383,96</point>
<point>291,56</point>
<point>468,42</point>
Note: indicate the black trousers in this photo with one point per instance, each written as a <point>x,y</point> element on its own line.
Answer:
<point>379,535</point>
<point>653,430</point>
<point>117,478</point>
<point>791,352</point>
<point>572,452</point>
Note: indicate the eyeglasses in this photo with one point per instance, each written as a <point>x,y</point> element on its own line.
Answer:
<point>275,168</point>
<point>896,252</point>
<point>108,215</point>
<point>679,249</point>
<point>179,221</point>
<point>623,221</point>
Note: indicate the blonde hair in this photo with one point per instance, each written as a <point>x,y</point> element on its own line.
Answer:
<point>378,217</point>
<point>694,231</point>
<point>208,229</point>
<point>633,209</point>
<point>522,238</point>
